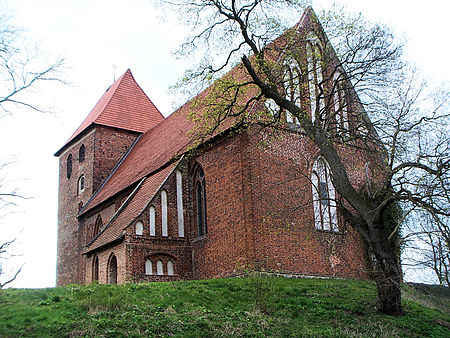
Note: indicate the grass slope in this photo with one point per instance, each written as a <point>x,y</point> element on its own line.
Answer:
<point>222,307</point>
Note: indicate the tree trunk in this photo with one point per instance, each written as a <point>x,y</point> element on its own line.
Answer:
<point>389,296</point>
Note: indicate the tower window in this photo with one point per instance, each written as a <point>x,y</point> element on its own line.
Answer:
<point>81,185</point>
<point>82,153</point>
<point>69,166</point>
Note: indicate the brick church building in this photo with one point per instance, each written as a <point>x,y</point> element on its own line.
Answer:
<point>141,199</point>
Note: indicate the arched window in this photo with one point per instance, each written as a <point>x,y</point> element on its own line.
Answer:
<point>200,201</point>
<point>164,213</point>
<point>81,153</point>
<point>152,221</point>
<point>324,197</point>
<point>69,165</point>
<point>81,185</point>
<point>180,204</point>
<point>148,267</point>
<point>95,269</point>
<point>159,268</point>
<point>292,86</point>
<point>139,228</point>
<point>170,268</point>
<point>98,226</point>
<point>112,270</point>
<point>340,104</point>
<point>315,77</point>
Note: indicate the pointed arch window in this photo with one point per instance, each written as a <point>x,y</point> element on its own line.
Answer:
<point>148,267</point>
<point>98,226</point>
<point>139,228</point>
<point>170,268</point>
<point>69,166</point>
<point>82,153</point>
<point>95,269</point>
<point>340,104</point>
<point>159,268</point>
<point>324,197</point>
<point>200,202</point>
<point>315,77</point>
<point>81,184</point>
<point>164,213</point>
<point>112,270</point>
<point>292,86</point>
<point>180,210</point>
<point>152,220</point>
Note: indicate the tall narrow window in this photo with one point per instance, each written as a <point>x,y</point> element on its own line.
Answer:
<point>340,105</point>
<point>139,228</point>
<point>324,197</point>
<point>292,86</point>
<point>159,268</point>
<point>148,267</point>
<point>180,204</point>
<point>69,166</point>
<point>200,198</point>
<point>315,77</point>
<point>81,184</point>
<point>152,221</point>
<point>164,213</point>
<point>97,226</point>
<point>170,268</point>
<point>81,153</point>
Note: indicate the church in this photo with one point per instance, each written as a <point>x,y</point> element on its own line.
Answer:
<point>142,199</point>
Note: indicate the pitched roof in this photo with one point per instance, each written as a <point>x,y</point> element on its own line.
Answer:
<point>125,106</point>
<point>131,208</point>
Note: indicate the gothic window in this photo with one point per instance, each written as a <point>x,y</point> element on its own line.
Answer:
<point>139,228</point>
<point>340,104</point>
<point>170,268</point>
<point>81,185</point>
<point>148,267</point>
<point>81,153</point>
<point>315,76</point>
<point>152,221</point>
<point>95,269</point>
<point>97,226</point>
<point>69,166</point>
<point>164,213</point>
<point>112,270</point>
<point>180,204</point>
<point>159,268</point>
<point>324,196</point>
<point>200,202</point>
<point>292,86</point>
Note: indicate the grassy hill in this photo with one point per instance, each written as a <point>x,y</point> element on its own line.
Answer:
<point>222,307</point>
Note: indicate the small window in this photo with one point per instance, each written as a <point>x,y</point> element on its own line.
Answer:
<point>69,166</point>
<point>81,185</point>
<point>170,268</point>
<point>152,221</point>
<point>148,267</point>
<point>139,228</point>
<point>81,154</point>
<point>159,268</point>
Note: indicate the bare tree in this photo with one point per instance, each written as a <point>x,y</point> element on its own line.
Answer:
<point>328,78</point>
<point>22,70</point>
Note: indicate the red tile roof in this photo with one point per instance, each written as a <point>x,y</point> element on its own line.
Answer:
<point>124,105</point>
<point>132,207</point>
<point>161,144</point>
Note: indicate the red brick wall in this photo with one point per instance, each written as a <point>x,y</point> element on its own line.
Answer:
<point>104,148</point>
<point>104,256</point>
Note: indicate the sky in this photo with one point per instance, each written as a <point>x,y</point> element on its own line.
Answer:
<point>99,40</point>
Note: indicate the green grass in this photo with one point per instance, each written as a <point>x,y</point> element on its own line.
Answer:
<point>252,307</point>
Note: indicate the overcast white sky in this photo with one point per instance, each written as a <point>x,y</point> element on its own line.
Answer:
<point>95,35</point>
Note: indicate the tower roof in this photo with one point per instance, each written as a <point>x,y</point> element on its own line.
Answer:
<point>125,106</point>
